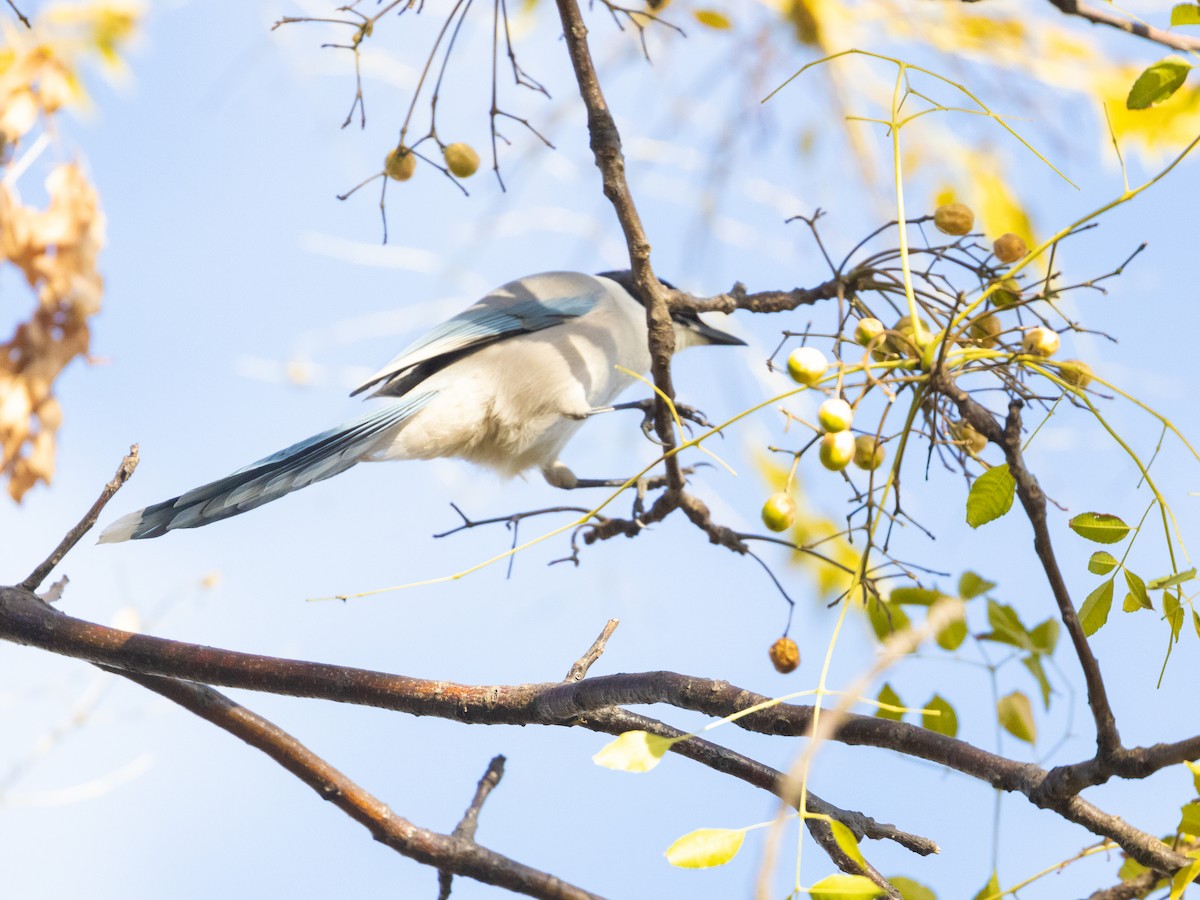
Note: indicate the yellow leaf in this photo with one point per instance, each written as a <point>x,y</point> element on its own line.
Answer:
<point>1183,878</point>
<point>1016,715</point>
<point>713,19</point>
<point>706,847</point>
<point>633,751</point>
<point>845,887</point>
<point>847,841</point>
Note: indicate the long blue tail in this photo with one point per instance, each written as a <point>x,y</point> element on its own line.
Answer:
<point>315,459</point>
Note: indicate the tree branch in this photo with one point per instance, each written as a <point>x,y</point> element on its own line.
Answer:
<point>1103,17</point>
<point>455,853</point>
<point>27,620</point>
<point>606,149</point>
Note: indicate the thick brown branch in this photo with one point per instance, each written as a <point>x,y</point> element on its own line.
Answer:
<point>27,620</point>
<point>1099,16</point>
<point>1033,501</point>
<point>606,148</point>
<point>457,854</point>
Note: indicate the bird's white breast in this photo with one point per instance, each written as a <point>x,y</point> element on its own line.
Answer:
<point>513,405</point>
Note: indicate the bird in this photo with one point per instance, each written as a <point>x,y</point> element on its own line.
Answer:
<point>503,384</point>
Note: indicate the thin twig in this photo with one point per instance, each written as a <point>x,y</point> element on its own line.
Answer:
<point>467,825</point>
<point>581,666</point>
<point>124,471</point>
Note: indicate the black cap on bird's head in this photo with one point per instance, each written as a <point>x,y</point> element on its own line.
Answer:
<point>689,321</point>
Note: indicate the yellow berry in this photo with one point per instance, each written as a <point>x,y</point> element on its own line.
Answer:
<point>972,440</point>
<point>907,341</point>
<point>400,164</point>
<point>954,218</point>
<point>835,414</point>
<point>985,331</point>
<point>461,159</point>
<point>1007,293</point>
<point>779,512</point>
<point>1075,372</point>
<point>1040,341</point>
<point>806,365</point>
<point>836,450</point>
<point>785,655</point>
<point>867,330</point>
<point>1009,248</point>
<point>868,452</point>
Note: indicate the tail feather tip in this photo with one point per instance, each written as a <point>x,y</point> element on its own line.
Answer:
<point>122,529</point>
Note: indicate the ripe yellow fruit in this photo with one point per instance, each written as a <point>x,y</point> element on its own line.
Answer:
<point>785,655</point>
<point>807,365</point>
<point>461,159</point>
<point>1007,293</point>
<point>836,450</point>
<point>985,331</point>
<point>400,164</point>
<point>867,330</point>
<point>835,414</point>
<point>972,440</point>
<point>1075,372</point>
<point>1009,248</point>
<point>954,218</point>
<point>779,512</point>
<point>1040,341</point>
<point>868,452</point>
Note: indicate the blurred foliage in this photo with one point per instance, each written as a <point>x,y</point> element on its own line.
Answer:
<point>55,245</point>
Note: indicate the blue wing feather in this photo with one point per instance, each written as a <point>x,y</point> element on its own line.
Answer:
<point>513,309</point>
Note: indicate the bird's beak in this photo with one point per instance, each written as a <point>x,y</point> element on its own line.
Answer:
<point>710,335</point>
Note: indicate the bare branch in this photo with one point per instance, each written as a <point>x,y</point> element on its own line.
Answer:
<point>1098,16</point>
<point>124,471</point>
<point>581,666</point>
<point>465,829</point>
<point>456,854</point>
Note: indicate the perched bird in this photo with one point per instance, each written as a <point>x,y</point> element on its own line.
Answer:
<point>504,384</point>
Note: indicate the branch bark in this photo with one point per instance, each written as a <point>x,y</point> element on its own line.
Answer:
<point>27,620</point>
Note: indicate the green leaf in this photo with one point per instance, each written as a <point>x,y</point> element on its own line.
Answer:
<point>705,848</point>
<point>889,696</point>
<point>1016,716</point>
<point>915,596</point>
<point>1130,869</point>
<point>1102,528</point>
<point>845,887</point>
<point>1196,624</point>
<point>1170,581</point>
<point>1158,82</point>
<point>1045,636</point>
<point>1094,612</point>
<point>633,751</point>
<point>1173,611</point>
<point>1189,821</point>
<point>847,841</point>
<point>1007,627</point>
<point>991,496</point>
<point>886,617</point>
<point>940,717</point>
<point>1185,14</point>
<point>911,890</point>
<point>951,635</point>
<point>1102,562</point>
<point>991,890</point>
<point>1033,663</point>
<point>972,585</point>
<point>1137,598</point>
